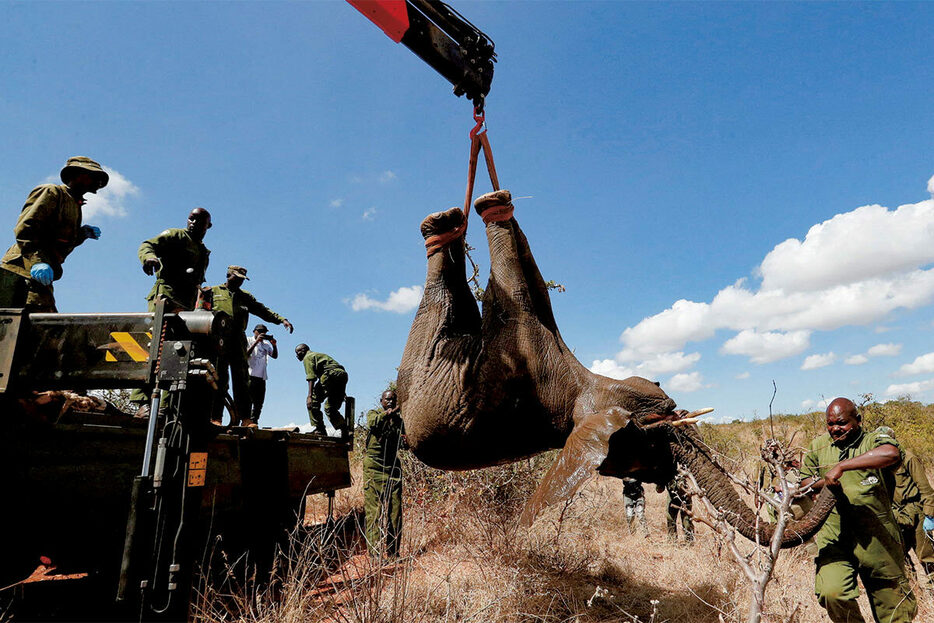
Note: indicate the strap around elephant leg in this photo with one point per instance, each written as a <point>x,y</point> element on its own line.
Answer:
<point>495,206</point>
<point>435,243</point>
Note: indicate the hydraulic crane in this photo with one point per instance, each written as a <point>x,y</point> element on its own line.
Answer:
<point>441,37</point>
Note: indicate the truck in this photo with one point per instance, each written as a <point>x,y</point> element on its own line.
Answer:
<point>110,516</point>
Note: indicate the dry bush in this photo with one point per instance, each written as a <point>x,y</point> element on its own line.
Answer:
<point>466,560</point>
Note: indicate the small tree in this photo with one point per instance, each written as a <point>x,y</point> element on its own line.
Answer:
<point>759,564</point>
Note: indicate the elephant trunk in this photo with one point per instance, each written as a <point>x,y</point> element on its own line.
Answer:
<point>690,453</point>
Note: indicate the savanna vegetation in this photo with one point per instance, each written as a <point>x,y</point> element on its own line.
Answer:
<point>465,559</point>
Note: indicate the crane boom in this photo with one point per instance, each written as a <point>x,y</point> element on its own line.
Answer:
<point>441,37</point>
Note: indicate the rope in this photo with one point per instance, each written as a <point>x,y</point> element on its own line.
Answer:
<point>478,141</point>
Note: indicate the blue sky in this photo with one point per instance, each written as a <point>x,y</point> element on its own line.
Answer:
<point>700,176</point>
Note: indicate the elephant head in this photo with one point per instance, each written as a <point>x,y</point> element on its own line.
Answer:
<point>480,389</point>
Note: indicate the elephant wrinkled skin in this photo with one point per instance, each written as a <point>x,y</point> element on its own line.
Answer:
<point>484,389</point>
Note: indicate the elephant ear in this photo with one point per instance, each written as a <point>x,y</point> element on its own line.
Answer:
<point>584,451</point>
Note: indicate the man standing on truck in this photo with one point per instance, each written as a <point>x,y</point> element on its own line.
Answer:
<point>239,304</point>
<point>179,260</point>
<point>860,537</point>
<point>382,476</point>
<point>327,379</point>
<point>49,228</point>
<point>260,347</point>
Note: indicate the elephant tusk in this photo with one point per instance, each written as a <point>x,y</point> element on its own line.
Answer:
<point>699,412</point>
<point>685,421</point>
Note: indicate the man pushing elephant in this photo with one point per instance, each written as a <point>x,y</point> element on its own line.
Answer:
<point>860,537</point>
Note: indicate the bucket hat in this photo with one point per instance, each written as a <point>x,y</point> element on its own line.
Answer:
<point>85,164</point>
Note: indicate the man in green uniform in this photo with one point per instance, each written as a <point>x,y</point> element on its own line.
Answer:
<point>913,507</point>
<point>860,536</point>
<point>49,228</point>
<point>327,379</point>
<point>382,477</point>
<point>634,503</point>
<point>179,260</point>
<point>239,304</point>
<point>679,503</point>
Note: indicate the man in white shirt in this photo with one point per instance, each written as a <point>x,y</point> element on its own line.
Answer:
<point>259,348</point>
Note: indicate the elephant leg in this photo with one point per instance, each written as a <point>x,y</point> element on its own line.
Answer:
<point>445,334</point>
<point>447,299</point>
<point>516,285</point>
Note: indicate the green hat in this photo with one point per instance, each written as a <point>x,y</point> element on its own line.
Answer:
<point>86,164</point>
<point>237,271</point>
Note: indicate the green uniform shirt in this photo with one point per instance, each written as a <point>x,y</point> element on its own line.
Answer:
<point>240,305</point>
<point>318,365</point>
<point>48,229</point>
<point>383,441</point>
<point>861,524</point>
<point>177,251</point>
<point>913,494</point>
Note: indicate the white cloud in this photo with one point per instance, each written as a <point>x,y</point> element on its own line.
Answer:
<point>812,362</point>
<point>400,301</point>
<point>386,176</point>
<point>110,200</point>
<point>767,347</point>
<point>885,350</point>
<point>685,382</point>
<point>868,242</point>
<point>609,367</point>
<point>369,214</point>
<point>931,185</point>
<point>811,405</point>
<point>903,389</point>
<point>856,360</point>
<point>622,367</point>
<point>852,269</point>
<point>921,365</point>
<point>336,203</point>
<point>742,375</point>
<point>685,321</point>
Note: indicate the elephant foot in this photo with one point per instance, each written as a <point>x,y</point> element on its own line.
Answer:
<point>495,206</point>
<point>441,228</point>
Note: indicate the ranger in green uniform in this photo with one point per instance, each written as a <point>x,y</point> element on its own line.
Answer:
<point>913,505</point>
<point>860,536</point>
<point>49,228</point>
<point>179,260</point>
<point>327,379</point>
<point>382,476</point>
<point>679,503</point>
<point>239,304</point>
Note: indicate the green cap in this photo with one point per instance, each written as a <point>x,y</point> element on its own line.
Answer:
<point>85,164</point>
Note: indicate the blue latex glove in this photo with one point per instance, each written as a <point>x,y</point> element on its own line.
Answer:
<point>928,524</point>
<point>42,273</point>
<point>91,231</point>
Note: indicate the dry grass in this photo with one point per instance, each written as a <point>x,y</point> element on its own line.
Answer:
<point>465,560</point>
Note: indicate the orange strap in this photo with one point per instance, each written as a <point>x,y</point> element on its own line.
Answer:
<point>497,213</point>
<point>478,140</point>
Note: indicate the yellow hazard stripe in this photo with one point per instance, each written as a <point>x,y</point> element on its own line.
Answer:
<point>131,346</point>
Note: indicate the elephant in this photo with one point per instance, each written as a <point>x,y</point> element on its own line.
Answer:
<point>482,389</point>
